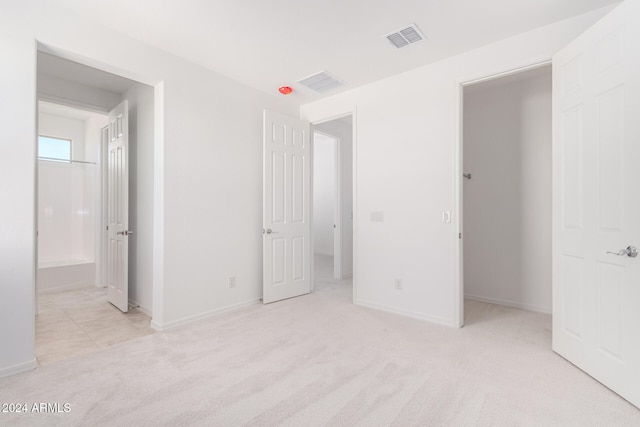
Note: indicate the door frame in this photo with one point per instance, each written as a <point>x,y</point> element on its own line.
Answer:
<point>337,201</point>
<point>458,180</point>
<point>104,208</point>
<point>354,144</point>
<point>157,321</point>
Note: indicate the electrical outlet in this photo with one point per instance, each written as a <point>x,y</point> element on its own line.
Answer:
<point>399,284</point>
<point>232,281</point>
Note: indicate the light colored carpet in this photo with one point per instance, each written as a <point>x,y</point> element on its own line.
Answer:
<point>319,360</point>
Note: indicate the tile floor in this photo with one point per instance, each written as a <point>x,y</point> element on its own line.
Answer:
<point>80,321</point>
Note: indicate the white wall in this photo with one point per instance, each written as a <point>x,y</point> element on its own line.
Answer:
<point>213,195</point>
<point>324,193</point>
<point>343,129</point>
<point>64,127</point>
<point>93,139</point>
<point>69,198</point>
<point>207,173</point>
<point>140,99</point>
<point>64,206</point>
<point>407,165</point>
<point>54,89</point>
<point>507,203</point>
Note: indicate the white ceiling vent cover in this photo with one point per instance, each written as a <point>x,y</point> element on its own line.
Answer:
<point>321,82</point>
<point>405,36</point>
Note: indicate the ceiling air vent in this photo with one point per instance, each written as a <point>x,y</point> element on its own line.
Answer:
<point>405,36</point>
<point>321,82</point>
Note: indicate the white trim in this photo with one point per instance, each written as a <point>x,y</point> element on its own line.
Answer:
<point>157,296</point>
<point>333,117</point>
<point>61,52</point>
<point>101,271</point>
<point>508,303</point>
<point>458,261</point>
<point>71,103</point>
<point>406,313</point>
<point>312,241</point>
<point>337,212</point>
<point>36,207</point>
<point>65,288</point>
<point>190,319</point>
<point>507,73</point>
<point>19,368</point>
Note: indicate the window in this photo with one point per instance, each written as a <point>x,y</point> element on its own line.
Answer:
<point>55,149</point>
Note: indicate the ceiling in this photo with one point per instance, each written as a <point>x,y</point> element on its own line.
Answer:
<point>266,44</point>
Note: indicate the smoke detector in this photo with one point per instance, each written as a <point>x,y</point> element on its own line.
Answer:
<point>321,81</point>
<point>405,36</point>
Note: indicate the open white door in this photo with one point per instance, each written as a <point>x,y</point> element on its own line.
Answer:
<point>118,208</point>
<point>286,208</point>
<point>596,201</point>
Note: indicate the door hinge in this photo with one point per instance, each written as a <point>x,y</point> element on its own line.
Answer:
<point>107,227</point>
<point>459,235</point>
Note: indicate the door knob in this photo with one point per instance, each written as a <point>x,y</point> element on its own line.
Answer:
<point>268,231</point>
<point>124,233</point>
<point>631,252</point>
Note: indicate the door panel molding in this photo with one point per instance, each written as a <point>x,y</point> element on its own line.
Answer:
<point>596,293</point>
<point>286,207</point>
<point>118,207</point>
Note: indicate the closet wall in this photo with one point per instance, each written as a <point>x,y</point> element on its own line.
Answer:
<point>507,201</point>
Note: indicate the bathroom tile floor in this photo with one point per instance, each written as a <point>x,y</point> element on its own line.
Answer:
<point>79,321</point>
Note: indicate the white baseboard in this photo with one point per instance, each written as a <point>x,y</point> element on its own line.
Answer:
<point>156,326</point>
<point>508,303</point>
<point>16,369</point>
<point>407,313</point>
<point>189,319</point>
<point>64,288</point>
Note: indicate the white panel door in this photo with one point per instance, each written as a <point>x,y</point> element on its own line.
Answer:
<point>286,208</point>
<point>118,208</point>
<point>596,201</point>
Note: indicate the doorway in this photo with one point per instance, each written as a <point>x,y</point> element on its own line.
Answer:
<point>333,202</point>
<point>74,316</point>
<point>506,192</point>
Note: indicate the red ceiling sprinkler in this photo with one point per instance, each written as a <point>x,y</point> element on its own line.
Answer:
<point>285,90</point>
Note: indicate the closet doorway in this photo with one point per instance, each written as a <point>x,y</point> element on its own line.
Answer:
<point>507,192</point>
